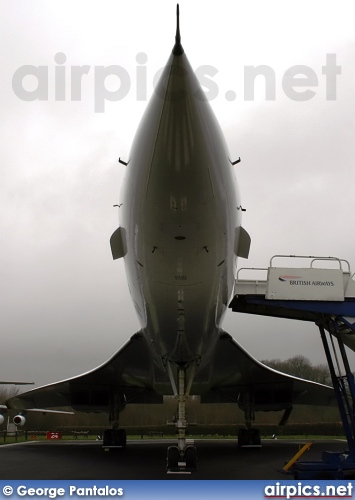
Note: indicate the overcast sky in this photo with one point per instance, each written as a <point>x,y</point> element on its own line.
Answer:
<point>65,306</point>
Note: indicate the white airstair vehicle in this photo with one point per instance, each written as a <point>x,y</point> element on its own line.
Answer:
<point>322,292</point>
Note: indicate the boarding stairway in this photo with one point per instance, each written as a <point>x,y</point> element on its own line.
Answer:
<point>322,293</point>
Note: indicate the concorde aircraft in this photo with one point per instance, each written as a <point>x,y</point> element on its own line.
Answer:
<point>180,235</point>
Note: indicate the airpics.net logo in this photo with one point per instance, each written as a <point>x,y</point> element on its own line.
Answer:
<point>302,490</point>
<point>64,82</point>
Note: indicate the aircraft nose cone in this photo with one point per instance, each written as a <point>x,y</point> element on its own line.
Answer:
<point>177,49</point>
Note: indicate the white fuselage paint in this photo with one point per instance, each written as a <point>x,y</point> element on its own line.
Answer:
<point>180,209</point>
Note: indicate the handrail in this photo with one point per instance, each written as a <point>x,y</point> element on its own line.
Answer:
<point>347,262</point>
<point>331,258</point>
<point>313,257</point>
<point>250,269</point>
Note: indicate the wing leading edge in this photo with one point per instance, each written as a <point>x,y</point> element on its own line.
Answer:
<point>239,377</point>
<point>128,374</point>
<point>234,376</point>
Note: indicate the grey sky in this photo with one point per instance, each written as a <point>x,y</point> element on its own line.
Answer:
<point>65,306</point>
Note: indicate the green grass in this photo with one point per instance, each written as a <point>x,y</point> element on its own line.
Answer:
<point>22,439</point>
<point>301,437</point>
<point>305,437</point>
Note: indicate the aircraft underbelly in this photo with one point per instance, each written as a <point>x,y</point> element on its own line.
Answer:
<point>183,273</point>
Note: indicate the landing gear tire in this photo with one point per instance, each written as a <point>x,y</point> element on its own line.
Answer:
<point>249,437</point>
<point>177,463</point>
<point>114,438</point>
<point>173,457</point>
<point>122,438</point>
<point>256,440</point>
<point>190,456</point>
<point>242,437</point>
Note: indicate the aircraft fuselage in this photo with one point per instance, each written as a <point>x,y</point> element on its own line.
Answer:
<point>180,209</point>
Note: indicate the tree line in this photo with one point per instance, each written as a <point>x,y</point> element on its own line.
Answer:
<point>300,366</point>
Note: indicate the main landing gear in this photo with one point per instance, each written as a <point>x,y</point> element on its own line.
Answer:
<point>114,437</point>
<point>183,457</point>
<point>249,437</point>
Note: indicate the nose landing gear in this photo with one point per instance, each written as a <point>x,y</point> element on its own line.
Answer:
<point>183,457</point>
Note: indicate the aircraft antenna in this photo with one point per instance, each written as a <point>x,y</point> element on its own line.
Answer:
<point>178,50</point>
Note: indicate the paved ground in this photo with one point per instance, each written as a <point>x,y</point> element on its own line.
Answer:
<point>217,459</point>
